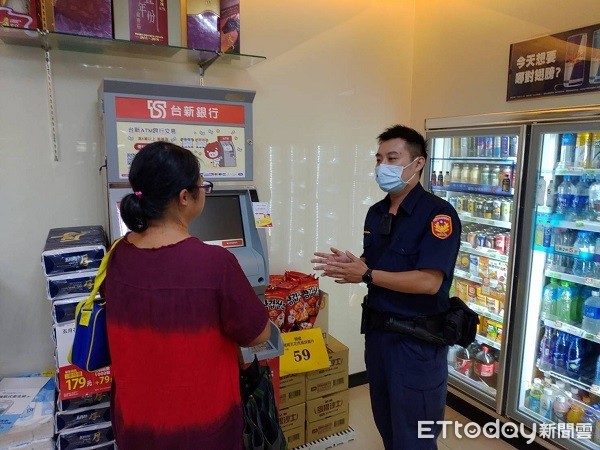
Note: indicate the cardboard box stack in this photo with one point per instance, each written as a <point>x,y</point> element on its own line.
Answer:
<point>314,405</point>
<point>70,260</point>
<point>27,412</point>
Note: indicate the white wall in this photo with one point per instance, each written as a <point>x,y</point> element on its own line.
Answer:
<point>336,73</point>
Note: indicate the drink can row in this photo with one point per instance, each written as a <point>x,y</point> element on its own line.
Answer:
<point>492,238</point>
<point>484,207</point>
<point>581,150</point>
<point>484,146</point>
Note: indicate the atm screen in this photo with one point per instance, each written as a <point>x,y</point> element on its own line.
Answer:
<point>220,222</point>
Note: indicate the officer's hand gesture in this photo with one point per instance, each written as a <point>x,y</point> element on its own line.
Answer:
<point>324,259</point>
<point>343,266</point>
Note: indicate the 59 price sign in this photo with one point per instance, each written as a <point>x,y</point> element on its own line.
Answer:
<point>303,351</point>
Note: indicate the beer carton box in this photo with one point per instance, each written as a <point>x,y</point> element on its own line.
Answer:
<point>86,437</point>
<point>202,24</point>
<point>230,26</point>
<point>326,427</point>
<point>295,437</point>
<point>338,359</point>
<point>327,384</point>
<point>292,417</point>
<point>294,378</point>
<point>22,14</point>
<point>292,394</point>
<point>152,21</point>
<point>328,405</point>
<point>80,17</point>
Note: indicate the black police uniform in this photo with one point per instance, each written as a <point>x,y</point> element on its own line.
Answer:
<point>408,376</point>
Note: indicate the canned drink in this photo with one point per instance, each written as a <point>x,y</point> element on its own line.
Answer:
<point>497,148</point>
<point>514,145</point>
<point>453,201</point>
<point>489,241</point>
<point>500,243</point>
<point>481,240</point>
<point>464,147</point>
<point>488,208</point>
<point>471,205</point>
<point>463,235</point>
<point>479,208</point>
<point>504,146</point>
<point>473,265</point>
<point>480,145</point>
<point>472,238</point>
<point>489,146</point>
<point>496,209</point>
<point>506,210</point>
<point>455,147</point>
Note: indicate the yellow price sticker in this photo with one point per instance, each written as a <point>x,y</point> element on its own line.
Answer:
<point>303,351</point>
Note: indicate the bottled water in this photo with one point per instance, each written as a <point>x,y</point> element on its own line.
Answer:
<point>560,353</point>
<point>564,197</point>
<point>546,350</point>
<point>594,201</point>
<point>581,199</point>
<point>535,395</point>
<point>546,403</point>
<point>591,313</point>
<point>575,355</point>
<point>597,377</point>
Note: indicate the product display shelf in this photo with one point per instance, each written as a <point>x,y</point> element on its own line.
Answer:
<point>474,383</point>
<point>489,159</point>
<point>466,217</point>
<point>467,276</point>
<point>592,388</point>
<point>49,40</point>
<point>572,329</point>
<point>586,281</point>
<point>484,340</point>
<point>483,251</point>
<point>483,311</point>
<point>473,189</point>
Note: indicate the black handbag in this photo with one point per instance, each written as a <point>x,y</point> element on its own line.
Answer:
<point>261,419</point>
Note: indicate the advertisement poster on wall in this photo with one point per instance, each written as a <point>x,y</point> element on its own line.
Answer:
<point>562,63</point>
<point>214,132</point>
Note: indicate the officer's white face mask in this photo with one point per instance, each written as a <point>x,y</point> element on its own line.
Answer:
<point>389,178</point>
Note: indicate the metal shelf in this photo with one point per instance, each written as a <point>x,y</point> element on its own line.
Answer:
<point>483,251</point>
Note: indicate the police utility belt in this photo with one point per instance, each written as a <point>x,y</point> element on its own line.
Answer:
<point>458,325</point>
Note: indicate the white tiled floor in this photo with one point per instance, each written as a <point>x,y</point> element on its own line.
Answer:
<point>367,436</point>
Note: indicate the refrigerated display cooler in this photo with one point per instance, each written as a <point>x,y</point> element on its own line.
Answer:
<point>477,170</point>
<point>532,271</point>
<point>555,371</point>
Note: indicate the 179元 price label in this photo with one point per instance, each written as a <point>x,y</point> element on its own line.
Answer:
<point>303,351</point>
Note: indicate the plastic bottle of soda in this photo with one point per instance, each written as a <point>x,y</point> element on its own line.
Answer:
<point>484,366</point>
<point>566,307</point>
<point>591,313</point>
<point>535,395</point>
<point>464,363</point>
<point>440,179</point>
<point>550,300</point>
<point>561,348</point>
<point>575,356</point>
<point>433,178</point>
<point>575,413</point>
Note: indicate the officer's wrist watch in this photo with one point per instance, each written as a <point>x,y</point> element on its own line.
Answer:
<point>367,277</point>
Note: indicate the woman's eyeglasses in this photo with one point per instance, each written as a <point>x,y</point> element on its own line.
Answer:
<point>207,186</point>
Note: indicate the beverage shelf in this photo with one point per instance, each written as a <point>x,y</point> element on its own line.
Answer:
<point>474,189</point>
<point>575,171</point>
<point>592,388</point>
<point>572,329</point>
<point>583,225</point>
<point>483,311</point>
<point>478,384</point>
<point>483,251</point>
<point>466,217</point>
<point>586,281</point>
<point>483,340</point>
<point>476,159</point>
<point>467,276</point>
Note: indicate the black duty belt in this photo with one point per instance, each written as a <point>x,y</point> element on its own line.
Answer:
<point>427,328</point>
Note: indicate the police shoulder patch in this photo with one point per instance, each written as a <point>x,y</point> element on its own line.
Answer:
<point>441,226</point>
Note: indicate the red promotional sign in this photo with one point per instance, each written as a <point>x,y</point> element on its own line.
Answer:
<point>178,111</point>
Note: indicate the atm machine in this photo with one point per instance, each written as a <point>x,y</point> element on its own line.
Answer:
<point>216,125</point>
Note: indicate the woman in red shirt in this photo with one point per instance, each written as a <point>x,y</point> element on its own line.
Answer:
<point>177,311</point>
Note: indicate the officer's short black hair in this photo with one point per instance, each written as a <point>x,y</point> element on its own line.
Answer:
<point>416,142</point>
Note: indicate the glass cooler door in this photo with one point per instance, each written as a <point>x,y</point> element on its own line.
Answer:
<point>477,171</point>
<point>555,368</point>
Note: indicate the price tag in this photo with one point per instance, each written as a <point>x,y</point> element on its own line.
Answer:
<point>595,389</point>
<point>303,351</point>
<point>558,324</point>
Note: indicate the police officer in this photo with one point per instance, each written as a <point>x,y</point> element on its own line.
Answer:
<point>411,241</point>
